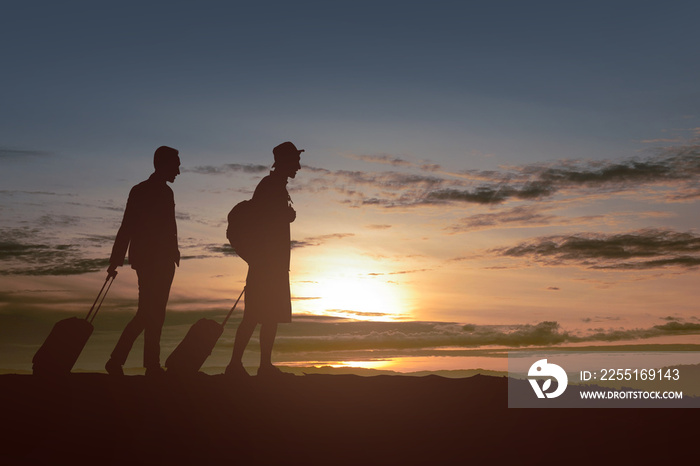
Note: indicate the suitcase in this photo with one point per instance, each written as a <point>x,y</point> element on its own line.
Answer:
<point>57,356</point>
<point>195,348</point>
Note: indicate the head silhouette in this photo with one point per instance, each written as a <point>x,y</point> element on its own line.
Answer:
<point>287,159</point>
<point>167,163</point>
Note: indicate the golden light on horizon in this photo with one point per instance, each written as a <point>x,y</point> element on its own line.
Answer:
<point>366,364</point>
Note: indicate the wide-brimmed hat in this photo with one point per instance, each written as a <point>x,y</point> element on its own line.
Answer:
<point>286,151</point>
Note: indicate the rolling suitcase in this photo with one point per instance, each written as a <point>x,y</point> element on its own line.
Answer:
<point>66,341</point>
<point>195,348</point>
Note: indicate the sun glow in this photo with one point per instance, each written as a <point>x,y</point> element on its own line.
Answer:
<point>353,296</point>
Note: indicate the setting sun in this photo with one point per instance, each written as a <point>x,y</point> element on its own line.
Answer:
<point>352,292</point>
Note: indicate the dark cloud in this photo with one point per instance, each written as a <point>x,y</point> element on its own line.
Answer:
<point>600,319</point>
<point>23,253</point>
<point>668,329</point>
<point>49,221</point>
<point>319,335</point>
<point>643,249</point>
<point>522,216</point>
<point>359,314</point>
<point>100,240</point>
<point>221,249</point>
<point>387,179</point>
<point>542,334</point>
<point>225,249</point>
<point>516,216</point>
<point>30,259</point>
<point>494,194</point>
<point>6,153</point>
<point>319,240</point>
<point>12,250</point>
<point>389,189</point>
<point>420,335</point>
<point>550,333</point>
<point>227,168</point>
<point>384,159</point>
<point>393,160</point>
<point>678,167</point>
<point>71,266</point>
<point>532,182</point>
<point>42,193</point>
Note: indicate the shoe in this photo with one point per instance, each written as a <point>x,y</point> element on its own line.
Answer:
<point>272,372</point>
<point>236,371</point>
<point>155,371</point>
<point>114,368</point>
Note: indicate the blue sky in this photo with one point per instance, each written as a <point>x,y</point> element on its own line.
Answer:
<point>447,144</point>
<point>542,79</point>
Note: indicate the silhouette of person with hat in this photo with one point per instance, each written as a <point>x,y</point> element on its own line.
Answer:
<point>149,231</point>
<point>267,296</point>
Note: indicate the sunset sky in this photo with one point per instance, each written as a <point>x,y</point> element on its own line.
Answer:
<point>477,176</point>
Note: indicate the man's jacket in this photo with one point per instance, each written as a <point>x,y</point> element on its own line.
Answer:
<point>148,228</point>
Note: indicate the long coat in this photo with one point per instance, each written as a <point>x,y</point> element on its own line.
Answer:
<point>267,297</point>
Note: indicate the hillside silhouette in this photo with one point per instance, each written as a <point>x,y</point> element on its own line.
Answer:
<point>314,419</point>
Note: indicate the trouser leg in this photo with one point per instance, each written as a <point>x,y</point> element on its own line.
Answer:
<point>154,289</point>
<point>132,330</point>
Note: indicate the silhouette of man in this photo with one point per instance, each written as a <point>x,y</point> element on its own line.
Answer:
<point>267,297</point>
<point>149,232</point>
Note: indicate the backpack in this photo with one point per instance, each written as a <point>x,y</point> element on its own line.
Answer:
<point>241,229</point>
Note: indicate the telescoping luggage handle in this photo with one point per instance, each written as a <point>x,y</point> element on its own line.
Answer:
<point>234,307</point>
<point>87,317</point>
